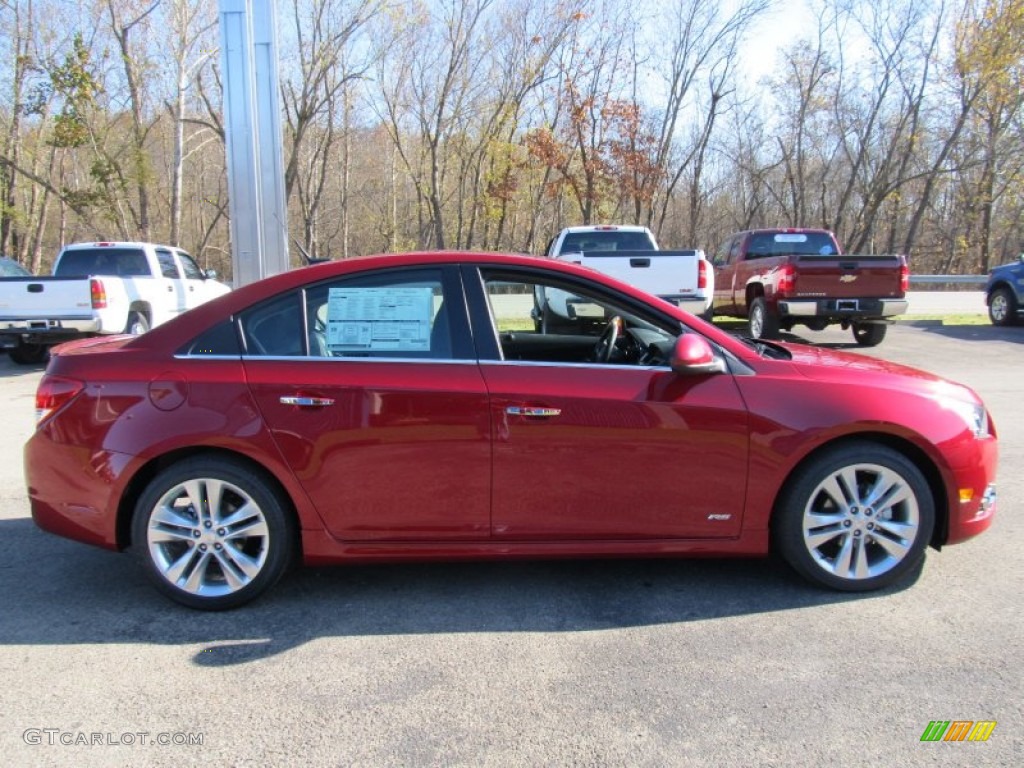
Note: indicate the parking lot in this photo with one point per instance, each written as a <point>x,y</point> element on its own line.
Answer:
<point>713,662</point>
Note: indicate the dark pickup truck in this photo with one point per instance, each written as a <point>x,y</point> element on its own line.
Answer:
<point>779,278</point>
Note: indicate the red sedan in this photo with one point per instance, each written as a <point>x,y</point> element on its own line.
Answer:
<point>410,407</point>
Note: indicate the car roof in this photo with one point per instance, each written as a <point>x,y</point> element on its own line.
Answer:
<point>117,244</point>
<point>242,298</point>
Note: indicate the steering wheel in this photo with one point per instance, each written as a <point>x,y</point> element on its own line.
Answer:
<point>605,347</point>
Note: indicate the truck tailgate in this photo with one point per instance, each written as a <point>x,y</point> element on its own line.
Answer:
<point>848,276</point>
<point>42,298</point>
<point>663,273</point>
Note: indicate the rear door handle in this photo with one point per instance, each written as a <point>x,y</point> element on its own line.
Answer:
<point>530,410</point>
<point>307,402</point>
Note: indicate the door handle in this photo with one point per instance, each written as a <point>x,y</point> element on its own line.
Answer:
<point>306,402</point>
<point>536,411</point>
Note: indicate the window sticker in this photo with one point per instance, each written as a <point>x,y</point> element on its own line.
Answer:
<point>379,319</point>
<point>789,237</point>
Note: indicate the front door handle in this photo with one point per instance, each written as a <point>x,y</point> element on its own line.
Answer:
<point>307,402</point>
<point>536,411</point>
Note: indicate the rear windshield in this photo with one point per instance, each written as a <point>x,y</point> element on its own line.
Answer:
<point>122,262</point>
<point>786,243</point>
<point>606,241</point>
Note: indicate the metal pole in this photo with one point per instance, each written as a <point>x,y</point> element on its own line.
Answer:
<point>252,127</point>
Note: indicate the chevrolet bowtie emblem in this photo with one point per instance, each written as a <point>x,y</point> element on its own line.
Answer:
<point>847,278</point>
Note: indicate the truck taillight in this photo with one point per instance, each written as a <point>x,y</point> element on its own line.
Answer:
<point>787,280</point>
<point>98,294</point>
<point>904,278</point>
<point>702,274</point>
<point>53,393</point>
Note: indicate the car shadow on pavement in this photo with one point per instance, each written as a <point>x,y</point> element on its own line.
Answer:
<point>58,592</point>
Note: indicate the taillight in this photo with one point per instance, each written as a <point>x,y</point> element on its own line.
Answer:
<point>904,278</point>
<point>786,280</point>
<point>53,393</point>
<point>98,293</point>
<point>702,274</point>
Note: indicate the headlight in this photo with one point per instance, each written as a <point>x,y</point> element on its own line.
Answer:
<point>974,415</point>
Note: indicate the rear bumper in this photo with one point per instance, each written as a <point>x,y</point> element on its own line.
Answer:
<point>696,305</point>
<point>842,308</point>
<point>46,330</point>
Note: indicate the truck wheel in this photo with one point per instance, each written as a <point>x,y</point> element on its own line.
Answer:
<point>137,324</point>
<point>1002,307</point>
<point>212,533</point>
<point>869,334</point>
<point>29,354</point>
<point>762,323</point>
<point>854,518</point>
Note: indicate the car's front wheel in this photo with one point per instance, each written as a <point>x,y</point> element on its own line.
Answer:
<point>212,533</point>
<point>1002,307</point>
<point>856,517</point>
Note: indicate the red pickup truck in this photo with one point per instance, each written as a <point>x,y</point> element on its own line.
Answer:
<point>779,278</point>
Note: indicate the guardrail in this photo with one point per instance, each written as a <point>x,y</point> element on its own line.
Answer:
<point>949,279</point>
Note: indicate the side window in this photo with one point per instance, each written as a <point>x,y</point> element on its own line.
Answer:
<point>167,266</point>
<point>189,267</point>
<point>397,314</point>
<point>275,328</point>
<point>542,320</point>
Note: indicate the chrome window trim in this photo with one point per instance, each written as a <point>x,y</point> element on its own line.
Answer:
<point>589,366</point>
<point>319,359</point>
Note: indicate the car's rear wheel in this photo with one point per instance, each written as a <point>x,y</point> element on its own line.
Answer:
<point>212,533</point>
<point>761,322</point>
<point>869,334</point>
<point>1002,307</point>
<point>857,517</point>
<point>29,354</point>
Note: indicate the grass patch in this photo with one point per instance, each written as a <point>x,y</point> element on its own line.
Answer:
<point>971,319</point>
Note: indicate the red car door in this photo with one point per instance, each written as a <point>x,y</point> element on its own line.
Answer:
<point>615,453</point>
<point>382,415</point>
<point>599,450</point>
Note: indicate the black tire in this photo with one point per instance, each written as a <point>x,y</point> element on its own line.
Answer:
<point>29,354</point>
<point>761,322</point>
<point>869,334</point>
<point>201,558</point>
<point>138,323</point>
<point>1002,307</point>
<point>854,544</point>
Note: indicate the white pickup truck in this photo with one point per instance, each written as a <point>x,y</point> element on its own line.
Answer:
<point>628,253</point>
<point>100,288</point>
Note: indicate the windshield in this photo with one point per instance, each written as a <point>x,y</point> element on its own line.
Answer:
<point>9,268</point>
